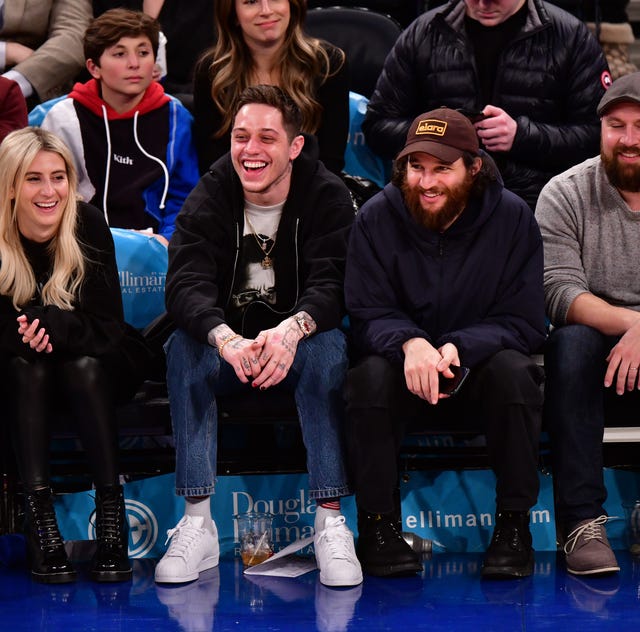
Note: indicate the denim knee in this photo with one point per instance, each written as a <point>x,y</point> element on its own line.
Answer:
<point>574,353</point>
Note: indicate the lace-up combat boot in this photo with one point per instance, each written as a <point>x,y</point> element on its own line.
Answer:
<point>45,548</point>
<point>510,553</point>
<point>381,549</point>
<point>111,561</point>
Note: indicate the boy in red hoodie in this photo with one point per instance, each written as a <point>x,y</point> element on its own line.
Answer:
<point>131,142</point>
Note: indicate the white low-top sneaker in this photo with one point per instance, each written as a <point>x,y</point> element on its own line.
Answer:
<point>336,554</point>
<point>193,549</point>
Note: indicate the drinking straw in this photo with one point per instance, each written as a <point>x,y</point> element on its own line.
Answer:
<point>258,547</point>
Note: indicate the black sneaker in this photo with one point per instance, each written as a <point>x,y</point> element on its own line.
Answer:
<point>381,548</point>
<point>510,553</point>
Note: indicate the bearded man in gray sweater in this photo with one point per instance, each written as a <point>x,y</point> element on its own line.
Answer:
<point>589,217</point>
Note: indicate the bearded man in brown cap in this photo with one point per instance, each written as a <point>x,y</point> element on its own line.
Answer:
<point>444,270</point>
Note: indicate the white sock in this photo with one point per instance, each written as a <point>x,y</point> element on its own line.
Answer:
<point>321,514</point>
<point>199,507</point>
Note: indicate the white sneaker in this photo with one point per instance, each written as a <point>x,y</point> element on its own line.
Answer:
<point>336,554</point>
<point>193,549</point>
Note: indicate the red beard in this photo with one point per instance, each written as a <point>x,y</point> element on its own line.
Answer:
<point>622,177</point>
<point>438,220</point>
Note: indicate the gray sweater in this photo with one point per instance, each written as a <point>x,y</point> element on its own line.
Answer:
<point>591,241</point>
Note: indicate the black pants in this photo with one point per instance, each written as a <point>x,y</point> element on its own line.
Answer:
<point>35,390</point>
<point>503,394</point>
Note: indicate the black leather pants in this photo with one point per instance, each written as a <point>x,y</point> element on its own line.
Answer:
<point>36,389</point>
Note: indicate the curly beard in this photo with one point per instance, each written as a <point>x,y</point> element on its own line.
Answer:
<point>455,203</point>
<point>622,177</point>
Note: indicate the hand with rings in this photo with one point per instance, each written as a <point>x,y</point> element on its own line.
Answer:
<point>279,347</point>
<point>632,377</point>
<point>623,362</point>
<point>242,354</point>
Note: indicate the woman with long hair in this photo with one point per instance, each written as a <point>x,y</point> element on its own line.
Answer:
<point>263,42</point>
<point>64,344</point>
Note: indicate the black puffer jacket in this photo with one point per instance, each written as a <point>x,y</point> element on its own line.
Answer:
<point>550,80</point>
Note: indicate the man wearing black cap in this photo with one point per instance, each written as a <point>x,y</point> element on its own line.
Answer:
<point>444,269</point>
<point>590,222</point>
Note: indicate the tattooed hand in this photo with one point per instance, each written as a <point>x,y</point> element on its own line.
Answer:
<point>241,353</point>
<point>278,347</point>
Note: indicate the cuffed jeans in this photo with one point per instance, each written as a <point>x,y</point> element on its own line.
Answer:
<point>575,401</point>
<point>196,375</point>
<point>503,395</point>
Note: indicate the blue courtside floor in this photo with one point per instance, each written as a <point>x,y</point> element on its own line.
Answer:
<point>449,595</point>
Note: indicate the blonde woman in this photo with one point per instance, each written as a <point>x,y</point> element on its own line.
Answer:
<point>262,42</point>
<point>62,339</point>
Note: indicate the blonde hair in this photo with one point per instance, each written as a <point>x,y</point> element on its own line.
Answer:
<point>17,280</point>
<point>301,60</point>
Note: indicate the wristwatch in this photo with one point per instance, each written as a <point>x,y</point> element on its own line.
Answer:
<point>304,324</point>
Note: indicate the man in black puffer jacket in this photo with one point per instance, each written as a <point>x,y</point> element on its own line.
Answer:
<point>533,70</point>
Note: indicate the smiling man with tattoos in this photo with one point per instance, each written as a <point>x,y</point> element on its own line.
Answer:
<point>255,287</point>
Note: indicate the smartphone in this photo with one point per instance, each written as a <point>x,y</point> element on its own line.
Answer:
<point>451,385</point>
<point>473,115</point>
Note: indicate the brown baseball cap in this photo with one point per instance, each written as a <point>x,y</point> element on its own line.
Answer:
<point>443,133</point>
<point>624,89</point>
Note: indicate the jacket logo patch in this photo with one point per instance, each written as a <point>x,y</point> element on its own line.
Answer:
<point>123,160</point>
<point>431,126</point>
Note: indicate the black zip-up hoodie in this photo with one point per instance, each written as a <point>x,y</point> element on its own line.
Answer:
<point>309,253</point>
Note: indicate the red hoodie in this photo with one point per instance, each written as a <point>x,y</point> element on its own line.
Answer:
<point>88,94</point>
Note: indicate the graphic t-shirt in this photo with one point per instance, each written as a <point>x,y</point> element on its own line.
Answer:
<point>256,279</point>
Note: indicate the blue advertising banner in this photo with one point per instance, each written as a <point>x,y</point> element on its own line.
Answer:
<point>454,509</point>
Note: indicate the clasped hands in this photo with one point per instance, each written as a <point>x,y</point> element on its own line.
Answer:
<point>267,358</point>
<point>34,335</point>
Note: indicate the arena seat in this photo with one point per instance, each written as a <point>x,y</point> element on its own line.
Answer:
<point>365,36</point>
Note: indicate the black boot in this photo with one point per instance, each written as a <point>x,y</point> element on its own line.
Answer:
<point>381,549</point>
<point>111,562</point>
<point>510,553</point>
<point>45,549</point>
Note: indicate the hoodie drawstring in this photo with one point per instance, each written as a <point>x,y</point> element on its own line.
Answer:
<point>165,171</point>
<point>107,173</point>
<point>108,166</point>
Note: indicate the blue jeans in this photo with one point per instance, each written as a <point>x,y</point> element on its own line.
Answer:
<point>575,364</point>
<point>196,374</point>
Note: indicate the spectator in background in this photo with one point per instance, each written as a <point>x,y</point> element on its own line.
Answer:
<point>13,107</point>
<point>529,74</point>
<point>41,45</point>
<point>189,30</point>
<point>63,342</point>
<point>589,218</point>
<point>263,42</point>
<point>131,142</point>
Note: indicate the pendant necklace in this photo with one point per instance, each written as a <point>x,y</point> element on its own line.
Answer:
<point>267,261</point>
